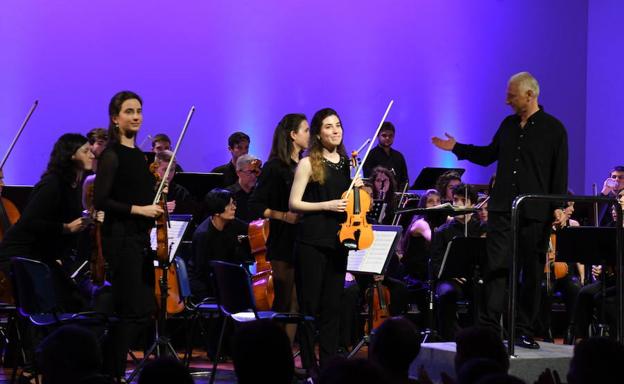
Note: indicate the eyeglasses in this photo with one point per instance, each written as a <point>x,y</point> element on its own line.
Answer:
<point>255,172</point>
<point>618,177</point>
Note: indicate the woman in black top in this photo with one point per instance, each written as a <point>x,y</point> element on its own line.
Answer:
<point>270,200</point>
<point>124,190</point>
<point>320,260</point>
<point>51,221</point>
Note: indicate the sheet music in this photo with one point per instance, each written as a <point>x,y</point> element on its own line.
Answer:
<point>175,233</point>
<point>373,259</point>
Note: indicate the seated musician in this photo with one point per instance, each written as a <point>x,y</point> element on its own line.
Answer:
<point>247,170</point>
<point>449,291</point>
<point>445,184</point>
<point>49,227</point>
<point>238,145</point>
<point>384,186</point>
<point>162,142</point>
<point>590,297</point>
<point>216,238</point>
<point>179,198</point>
<point>567,285</point>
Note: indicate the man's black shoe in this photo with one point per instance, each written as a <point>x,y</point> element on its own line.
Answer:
<point>525,341</point>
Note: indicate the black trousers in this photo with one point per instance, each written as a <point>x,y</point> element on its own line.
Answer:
<point>319,274</point>
<point>533,241</point>
<point>590,297</point>
<point>569,287</point>
<point>448,292</point>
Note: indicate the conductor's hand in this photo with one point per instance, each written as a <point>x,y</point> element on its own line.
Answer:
<point>443,144</point>
<point>338,205</point>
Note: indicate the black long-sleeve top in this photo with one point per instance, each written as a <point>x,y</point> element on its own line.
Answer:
<point>394,161</point>
<point>533,159</point>
<point>123,180</point>
<point>211,244</point>
<point>447,232</point>
<point>39,231</point>
<point>272,192</point>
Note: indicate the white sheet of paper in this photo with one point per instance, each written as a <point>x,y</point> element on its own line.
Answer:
<point>372,260</point>
<point>175,233</point>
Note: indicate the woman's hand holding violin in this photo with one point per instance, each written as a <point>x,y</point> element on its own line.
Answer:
<point>152,211</point>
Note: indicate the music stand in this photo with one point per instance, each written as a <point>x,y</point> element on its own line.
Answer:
<point>373,261</point>
<point>462,254</point>
<point>198,184</point>
<point>428,177</point>
<point>162,344</point>
<point>589,246</point>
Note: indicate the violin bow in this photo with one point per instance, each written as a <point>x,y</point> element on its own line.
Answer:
<point>19,132</point>
<point>173,156</point>
<point>370,146</point>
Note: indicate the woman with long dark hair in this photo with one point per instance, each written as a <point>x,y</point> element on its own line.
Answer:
<point>124,190</point>
<point>384,186</point>
<point>320,259</point>
<point>270,200</point>
<point>51,221</point>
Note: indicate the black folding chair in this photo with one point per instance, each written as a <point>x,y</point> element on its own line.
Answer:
<point>236,301</point>
<point>36,299</point>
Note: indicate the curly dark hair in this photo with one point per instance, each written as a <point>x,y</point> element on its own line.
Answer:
<point>61,162</point>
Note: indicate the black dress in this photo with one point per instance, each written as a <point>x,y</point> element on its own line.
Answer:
<point>124,180</point>
<point>320,264</point>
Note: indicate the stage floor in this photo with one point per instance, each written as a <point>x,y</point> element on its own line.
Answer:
<point>528,364</point>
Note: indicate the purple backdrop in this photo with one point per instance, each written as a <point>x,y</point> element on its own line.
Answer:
<point>605,82</point>
<point>245,64</point>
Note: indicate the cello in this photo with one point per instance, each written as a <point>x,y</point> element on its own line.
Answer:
<point>9,214</point>
<point>166,273</point>
<point>262,280</point>
<point>356,233</point>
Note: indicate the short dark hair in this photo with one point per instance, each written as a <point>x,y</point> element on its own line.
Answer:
<point>463,189</point>
<point>617,168</point>
<point>216,200</point>
<point>160,137</point>
<point>165,370</point>
<point>394,345</point>
<point>597,360</point>
<point>97,134</point>
<point>387,126</point>
<point>236,138</point>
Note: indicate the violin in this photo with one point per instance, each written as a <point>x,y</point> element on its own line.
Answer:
<point>381,301</point>
<point>172,297</point>
<point>262,280</point>
<point>356,233</point>
<point>97,262</point>
<point>175,304</point>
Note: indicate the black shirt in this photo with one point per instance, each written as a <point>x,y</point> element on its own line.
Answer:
<point>395,162</point>
<point>320,228</point>
<point>123,180</point>
<point>211,244</point>
<point>242,206</point>
<point>229,173</point>
<point>273,191</point>
<point>39,231</point>
<point>533,159</point>
<point>447,232</point>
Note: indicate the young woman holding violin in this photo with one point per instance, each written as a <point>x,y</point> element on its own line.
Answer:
<point>320,259</point>
<point>124,190</point>
<point>270,200</point>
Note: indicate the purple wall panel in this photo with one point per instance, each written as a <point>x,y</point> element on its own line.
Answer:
<point>244,64</point>
<point>605,82</point>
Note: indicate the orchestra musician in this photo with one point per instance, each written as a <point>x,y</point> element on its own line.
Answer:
<point>48,229</point>
<point>270,200</point>
<point>238,145</point>
<point>531,151</point>
<point>386,156</point>
<point>320,259</point>
<point>178,197</point>
<point>124,190</point>
<point>161,142</point>
<point>247,171</point>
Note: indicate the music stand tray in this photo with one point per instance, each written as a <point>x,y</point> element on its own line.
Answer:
<point>587,245</point>
<point>375,259</point>
<point>462,255</point>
